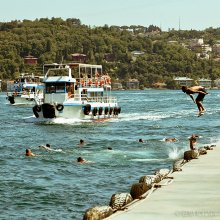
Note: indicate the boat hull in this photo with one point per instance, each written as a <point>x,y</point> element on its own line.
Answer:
<point>77,111</point>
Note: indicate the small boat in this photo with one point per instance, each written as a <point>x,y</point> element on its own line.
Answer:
<point>26,90</point>
<point>76,91</point>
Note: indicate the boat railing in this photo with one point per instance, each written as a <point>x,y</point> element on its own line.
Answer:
<point>15,93</point>
<point>85,97</point>
<point>93,82</point>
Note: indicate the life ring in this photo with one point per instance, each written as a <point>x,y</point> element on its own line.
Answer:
<point>87,109</point>
<point>106,110</point>
<point>94,111</point>
<point>100,110</point>
<point>59,107</point>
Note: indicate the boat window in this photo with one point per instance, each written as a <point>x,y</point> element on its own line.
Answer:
<point>95,94</point>
<point>55,88</point>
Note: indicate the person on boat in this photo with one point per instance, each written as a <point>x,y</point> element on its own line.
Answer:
<point>29,153</point>
<point>201,94</point>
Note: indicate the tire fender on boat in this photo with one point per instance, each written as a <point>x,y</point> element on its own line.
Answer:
<point>11,99</point>
<point>119,110</point>
<point>110,111</point>
<point>36,109</point>
<point>94,111</point>
<point>59,107</point>
<point>87,109</point>
<point>115,111</point>
<point>100,110</point>
<point>106,110</point>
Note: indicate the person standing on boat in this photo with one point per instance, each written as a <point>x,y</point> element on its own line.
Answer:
<point>201,94</point>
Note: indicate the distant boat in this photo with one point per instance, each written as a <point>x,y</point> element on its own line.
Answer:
<point>25,90</point>
<point>76,91</point>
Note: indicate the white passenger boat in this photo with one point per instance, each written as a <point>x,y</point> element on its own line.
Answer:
<point>76,91</point>
<point>25,90</point>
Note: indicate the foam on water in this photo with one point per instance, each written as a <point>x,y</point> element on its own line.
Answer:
<point>141,116</point>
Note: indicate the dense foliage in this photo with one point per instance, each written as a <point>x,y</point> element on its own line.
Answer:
<point>54,40</point>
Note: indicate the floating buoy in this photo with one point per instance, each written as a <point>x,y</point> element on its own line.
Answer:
<point>138,189</point>
<point>119,200</point>
<point>177,165</point>
<point>150,179</point>
<point>191,154</point>
<point>98,213</point>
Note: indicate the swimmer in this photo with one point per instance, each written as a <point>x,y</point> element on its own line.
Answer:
<point>81,142</point>
<point>48,147</point>
<point>81,160</point>
<point>140,140</point>
<point>29,153</point>
<point>170,139</point>
<point>193,141</point>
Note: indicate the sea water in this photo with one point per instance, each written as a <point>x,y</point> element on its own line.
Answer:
<point>54,186</point>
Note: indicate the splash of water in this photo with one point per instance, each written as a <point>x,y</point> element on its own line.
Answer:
<point>174,153</point>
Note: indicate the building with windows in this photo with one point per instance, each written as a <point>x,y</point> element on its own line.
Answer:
<point>207,83</point>
<point>30,60</point>
<point>132,84</point>
<point>184,81</point>
<point>79,58</point>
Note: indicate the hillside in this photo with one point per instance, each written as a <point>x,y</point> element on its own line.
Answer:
<point>164,55</point>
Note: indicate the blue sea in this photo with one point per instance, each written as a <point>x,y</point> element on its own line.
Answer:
<point>54,186</point>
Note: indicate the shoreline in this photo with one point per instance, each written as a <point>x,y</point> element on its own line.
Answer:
<point>194,193</point>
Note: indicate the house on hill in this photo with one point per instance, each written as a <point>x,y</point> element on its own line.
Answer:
<point>30,60</point>
<point>184,81</point>
<point>79,58</point>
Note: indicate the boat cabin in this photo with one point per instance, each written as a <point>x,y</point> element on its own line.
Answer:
<point>81,82</point>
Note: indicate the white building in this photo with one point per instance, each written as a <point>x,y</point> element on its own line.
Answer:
<point>207,83</point>
<point>216,48</point>
<point>196,42</point>
<point>184,81</point>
